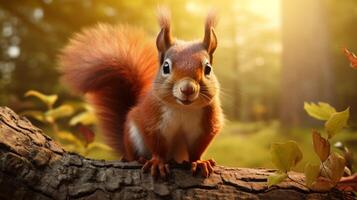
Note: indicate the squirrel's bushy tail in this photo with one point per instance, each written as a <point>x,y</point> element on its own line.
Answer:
<point>114,65</point>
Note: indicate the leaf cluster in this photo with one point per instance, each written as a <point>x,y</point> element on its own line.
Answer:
<point>83,143</point>
<point>326,174</point>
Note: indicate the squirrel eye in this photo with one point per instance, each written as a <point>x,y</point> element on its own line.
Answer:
<point>166,67</point>
<point>208,69</point>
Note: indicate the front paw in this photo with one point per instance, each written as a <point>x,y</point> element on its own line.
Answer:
<point>157,167</point>
<point>205,166</point>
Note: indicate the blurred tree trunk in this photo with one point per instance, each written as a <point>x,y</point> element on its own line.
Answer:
<point>237,98</point>
<point>307,69</point>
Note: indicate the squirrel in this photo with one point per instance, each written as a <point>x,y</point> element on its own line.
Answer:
<point>154,104</point>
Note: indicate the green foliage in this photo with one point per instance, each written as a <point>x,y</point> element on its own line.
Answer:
<point>84,142</point>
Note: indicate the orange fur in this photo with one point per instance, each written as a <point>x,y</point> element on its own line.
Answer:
<point>135,103</point>
<point>212,125</point>
<point>115,66</point>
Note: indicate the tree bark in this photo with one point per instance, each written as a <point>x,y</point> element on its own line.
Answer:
<point>33,166</point>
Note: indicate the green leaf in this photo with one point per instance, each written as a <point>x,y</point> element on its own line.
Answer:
<point>38,115</point>
<point>311,173</point>
<point>321,145</point>
<point>336,122</point>
<point>276,178</point>
<point>320,111</point>
<point>60,112</point>
<point>85,118</point>
<point>333,168</point>
<point>49,100</point>
<point>285,155</point>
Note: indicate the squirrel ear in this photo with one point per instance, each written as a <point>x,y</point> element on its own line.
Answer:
<point>164,39</point>
<point>210,39</point>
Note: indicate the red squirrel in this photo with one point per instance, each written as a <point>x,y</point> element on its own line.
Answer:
<point>159,104</point>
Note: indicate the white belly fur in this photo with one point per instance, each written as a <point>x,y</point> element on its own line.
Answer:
<point>188,122</point>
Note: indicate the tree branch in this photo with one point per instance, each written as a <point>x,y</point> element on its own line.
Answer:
<point>33,166</point>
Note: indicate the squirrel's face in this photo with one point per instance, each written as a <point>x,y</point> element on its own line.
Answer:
<point>186,77</point>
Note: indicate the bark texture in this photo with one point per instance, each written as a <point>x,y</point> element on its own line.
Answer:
<point>32,166</point>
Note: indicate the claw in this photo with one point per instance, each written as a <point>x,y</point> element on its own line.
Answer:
<point>205,166</point>
<point>156,166</point>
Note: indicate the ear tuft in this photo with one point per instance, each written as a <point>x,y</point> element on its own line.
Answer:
<point>164,39</point>
<point>211,20</point>
<point>164,17</point>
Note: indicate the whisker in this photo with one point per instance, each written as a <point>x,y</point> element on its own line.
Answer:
<point>205,97</point>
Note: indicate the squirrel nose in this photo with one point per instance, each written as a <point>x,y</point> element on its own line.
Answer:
<point>187,90</point>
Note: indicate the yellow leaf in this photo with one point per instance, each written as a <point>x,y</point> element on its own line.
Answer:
<point>85,118</point>
<point>320,111</point>
<point>321,145</point>
<point>60,112</point>
<point>69,138</point>
<point>311,173</point>
<point>333,168</point>
<point>336,122</point>
<point>49,100</point>
<point>276,178</point>
<point>285,155</point>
